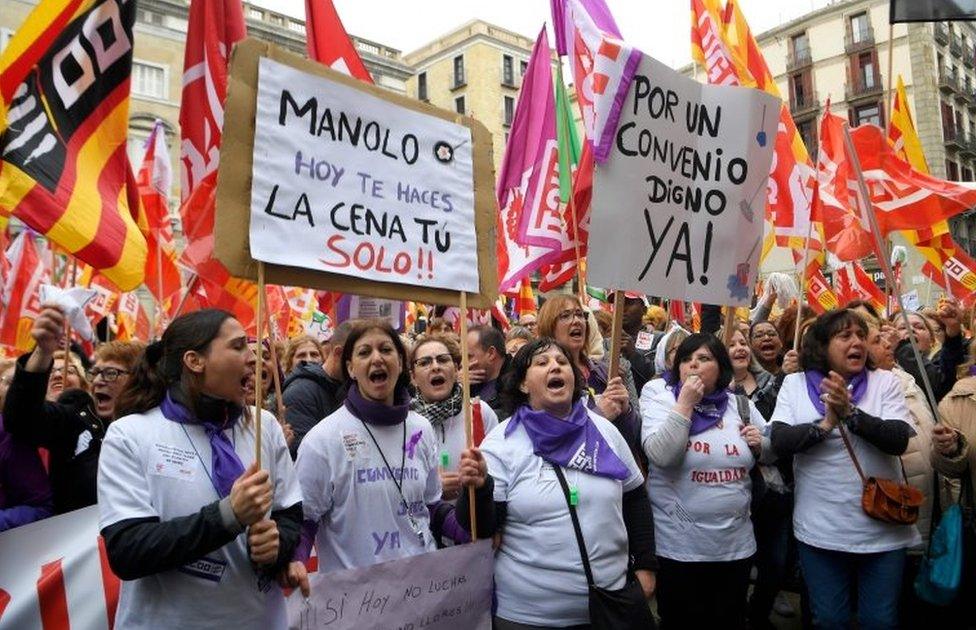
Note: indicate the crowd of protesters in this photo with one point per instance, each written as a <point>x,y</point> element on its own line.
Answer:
<point>714,469</point>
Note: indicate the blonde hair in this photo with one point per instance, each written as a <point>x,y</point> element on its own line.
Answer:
<point>292,349</point>
<point>74,361</point>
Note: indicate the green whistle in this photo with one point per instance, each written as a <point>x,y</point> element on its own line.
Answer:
<point>445,459</point>
<point>573,496</point>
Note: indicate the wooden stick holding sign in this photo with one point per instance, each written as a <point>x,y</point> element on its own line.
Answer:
<point>617,328</point>
<point>729,323</point>
<point>67,327</point>
<point>802,287</point>
<point>275,376</point>
<point>259,367</point>
<point>466,403</point>
<point>864,199</point>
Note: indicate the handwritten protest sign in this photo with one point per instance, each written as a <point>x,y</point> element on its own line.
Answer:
<point>678,208</point>
<point>348,187</point>
<point>445,589</point>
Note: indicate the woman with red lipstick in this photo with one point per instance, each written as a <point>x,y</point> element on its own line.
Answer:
<point>842,549</point>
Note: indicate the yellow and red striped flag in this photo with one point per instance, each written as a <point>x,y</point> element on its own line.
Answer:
<point>64,109</point>
<point>131,319</point>
<point>525,303</point>
<point>21,296</point>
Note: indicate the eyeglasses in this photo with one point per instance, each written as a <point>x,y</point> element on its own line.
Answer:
<point>765,334</point>
<point>110,374</point>
<point>568,316</point>
<point>426,362</point>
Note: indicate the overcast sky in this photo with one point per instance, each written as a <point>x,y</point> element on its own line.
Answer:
<point>658,27</point>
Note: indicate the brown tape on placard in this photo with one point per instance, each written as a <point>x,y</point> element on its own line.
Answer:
<point>231,227</point>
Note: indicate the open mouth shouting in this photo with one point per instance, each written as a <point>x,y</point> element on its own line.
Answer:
<point>556,384</point>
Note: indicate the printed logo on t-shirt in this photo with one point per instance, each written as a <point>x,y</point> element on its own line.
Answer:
<point>353,444</point>
<point>173,462</point>
<point>209,569</point>
<point>411,445</point>
<point>84,440</point>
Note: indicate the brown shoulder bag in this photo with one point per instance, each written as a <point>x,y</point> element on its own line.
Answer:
<point>885,499</point>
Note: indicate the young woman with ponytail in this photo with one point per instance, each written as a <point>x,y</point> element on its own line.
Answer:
<point>178,485</point>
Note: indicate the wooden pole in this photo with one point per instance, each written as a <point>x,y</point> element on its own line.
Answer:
<point>868,210</point>
<point>466,404</point>
<point>618,324</point>
<point>275,376</point>
<point>258,390</point>
<point>186,294</point>
<point>891,63</point>
<point>161,320</point>
<point>802,288</point>
<point>581,289</point>
<point>67,328</point>
<point>729,323</point>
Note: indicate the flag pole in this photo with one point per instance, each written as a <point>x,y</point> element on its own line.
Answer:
<point>186,294</point>
<point>864,201</point>
<point>571,202</point>
<point>803,282</point>
<point>466,405</point>
<point>67,327</point>
<point>618,324</point>
<point>891,62</point>
<point>159,289</point>
<point>259,367</point>
<point>275,376</point>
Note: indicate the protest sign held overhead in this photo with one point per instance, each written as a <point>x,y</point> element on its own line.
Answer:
<point>450,588</point>
<point>352,187</point>
<point>678,207</point>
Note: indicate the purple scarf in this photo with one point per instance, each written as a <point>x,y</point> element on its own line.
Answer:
<point>225,462</point>
<point>571,442</point>
<point>857,385</point>
<point>972,370</point>
<point>708,412</point>
<point>377,413</point>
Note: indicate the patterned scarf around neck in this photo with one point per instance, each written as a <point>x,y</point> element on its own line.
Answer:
<point>439,411</point>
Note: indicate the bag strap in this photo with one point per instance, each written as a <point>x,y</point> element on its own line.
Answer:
<point>742,404</point>
<point>576,526</point>
<point>850,451</point>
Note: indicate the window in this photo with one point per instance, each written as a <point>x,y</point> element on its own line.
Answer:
<point>509,109</point>
<point>860,28</point>
<point>865,62</point>
<point>867,114</point>
<point>459,105</point>
<point>952,171</point>
<point>508,70</point>
<point>799,93</point>
<point>801,48</point>
<point>967,174</point>
<point>808,133</point>
<point>948,122</point>
<point>459,71</point>
<point>422,86</point>
<point>523,67</point>
<point>148,80</point>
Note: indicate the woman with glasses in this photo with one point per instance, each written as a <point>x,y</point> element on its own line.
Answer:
<point>562,318</point>
<point>72,428</point>
<point>434,372</point>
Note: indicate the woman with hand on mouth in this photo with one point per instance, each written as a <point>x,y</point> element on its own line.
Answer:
<point>701,447</point>
<point>183,504</point>
<point>539,576</point>
<point>434,371</point>
<point>370,472</point>
<point>839,544</point>
<point>563,319</point>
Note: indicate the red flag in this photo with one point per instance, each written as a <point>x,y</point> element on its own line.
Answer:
<point>901,197</point>
<point>131,319</point>
<point>820,297</point>
<point>525,303</point>
<point>957,275</point>
<point>21,301</point>
<point>853,283</point>
<point>477,423</point>
<point>328,42</point>
<point>154,181</point>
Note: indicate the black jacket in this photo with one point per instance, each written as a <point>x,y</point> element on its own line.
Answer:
<point>309,395</point>
<point>69,429</point>
<point>941,369</point>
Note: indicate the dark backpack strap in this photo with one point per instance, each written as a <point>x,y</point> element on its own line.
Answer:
<point>576,526</point>
<point>742,404</point>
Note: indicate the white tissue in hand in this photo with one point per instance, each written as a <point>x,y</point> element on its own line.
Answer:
<point>72,302</point>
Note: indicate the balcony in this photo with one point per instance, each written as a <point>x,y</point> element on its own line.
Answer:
<point>863,87</point>
<point>948,82</point>
<point>941,33</point>
<point>969,57</point>
<point>954,139</point>
<point>801,104</point>
<point>858,40</point>
<point>967,144</point>
<point>955,46</point>
<point>798,58</point>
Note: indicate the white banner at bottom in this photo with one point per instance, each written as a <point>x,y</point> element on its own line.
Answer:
<point>449,588</point>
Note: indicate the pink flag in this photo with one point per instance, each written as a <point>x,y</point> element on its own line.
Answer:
<point>529,171</point>
<point>603,67</point>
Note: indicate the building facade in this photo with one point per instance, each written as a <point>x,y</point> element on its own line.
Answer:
<point>842,51</point>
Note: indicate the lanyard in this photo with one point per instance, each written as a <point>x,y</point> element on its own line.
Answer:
<point>403,461</point>
<point>233,436</point>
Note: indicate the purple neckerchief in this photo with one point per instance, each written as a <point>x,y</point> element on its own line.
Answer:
<point>377,413</point>
<point>708,412</point>
<point>572,442</point>
<point>857,386</point>
<point>972,370</point>
<point>226,464</point>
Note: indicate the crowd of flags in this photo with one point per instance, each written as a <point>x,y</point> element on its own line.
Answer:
<point>64,170</point>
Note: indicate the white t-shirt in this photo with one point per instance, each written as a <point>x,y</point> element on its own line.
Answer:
<point>452,439</point>
<point>539,577</point>
<point>149,468</point>
<point>701,505</point>
<point>827,509</point>
<point>350,495</point>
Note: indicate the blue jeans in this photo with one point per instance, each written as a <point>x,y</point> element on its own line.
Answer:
<point>831,577</point>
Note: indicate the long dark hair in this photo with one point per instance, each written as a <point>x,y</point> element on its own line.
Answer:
<point>511,393</point>
<point>813,354</point>
<point>713,345</point>
<point>361,328</point>
<point>161,365</point>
